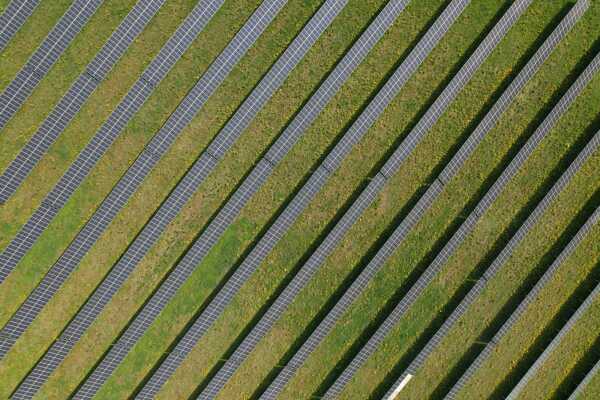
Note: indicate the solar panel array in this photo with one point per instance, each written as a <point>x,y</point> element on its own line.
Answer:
<point>13,18</point>
<point>479,210</point>
<point>78,93</point>
<point>333,160</point>
<point>533,293</point>
<point>45,56</point>
<point>142,166</point>
<point>71,23</point>
<point>413,217</point>
<point>107,134</point>
<point>554,344</point>
<point>333,82</point>
<point>586,380</point>
<point>250,185</point>
<point>171,207</point>
<point>262,16</point>
<point>367,196</point>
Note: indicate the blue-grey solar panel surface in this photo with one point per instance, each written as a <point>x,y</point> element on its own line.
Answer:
<point>13,18</point>
<point>585,382</point>
<point>170,53</point>
<point>533,293</point>
<point>171,207</point>
<point>589,300</point>
<point>70,104</point>
<point>38,65</point>
<point>483,205</point>
<point>368,195</point>
<point>250,185</point>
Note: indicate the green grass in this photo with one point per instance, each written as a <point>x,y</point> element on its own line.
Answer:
<point>528,186</point>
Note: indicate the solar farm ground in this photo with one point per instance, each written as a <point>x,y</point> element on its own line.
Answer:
<point>515,353</point>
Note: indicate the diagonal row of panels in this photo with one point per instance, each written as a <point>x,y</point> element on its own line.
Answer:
<point>294,209</point>
<point>170,208</point>
<point>13,18</point>
<point>113,358</point>
<point>38,65</point>
<point>589,300</point>
<point>167,290</point>
<point>580,389</point>
<point>129,183</point>
<point>169,54</point>
<point>70,104</point>
<point>531,295</point>
<point>506,252</point>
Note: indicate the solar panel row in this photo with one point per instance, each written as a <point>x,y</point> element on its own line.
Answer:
<point>554,344</point>
<point>480,209</point>
<point>78,93</point>
<point>170,208</point>
<point>585,382</point>
<point>45,56</point>
<point>107,134</point>
<point>350,61</point>
<point>533,293</point>
<point>400,233</point>
<point>367,196</point>
<point>13,18</point>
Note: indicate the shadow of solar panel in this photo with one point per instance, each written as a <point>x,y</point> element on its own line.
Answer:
<point>514,394</point>
<point>579,390</point>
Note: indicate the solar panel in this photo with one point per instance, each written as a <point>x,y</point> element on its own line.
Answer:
<point>482,206</point>
<point>250,185</point>
<point>77,95</point>
<point>554,343</point>
<point>533,293</point>
<point>170,208</point>
<point>45,56</point>
<point>351,215</point>
<point>13,18</point>
<point>106,135</point>
<point>586,380</point>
